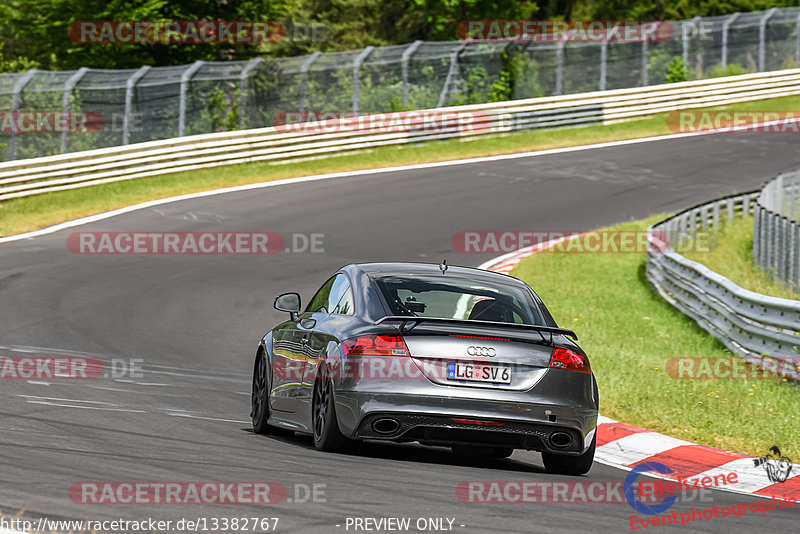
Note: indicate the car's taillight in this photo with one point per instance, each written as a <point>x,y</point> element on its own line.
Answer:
<point>564,358</point>
<point>375,345</point>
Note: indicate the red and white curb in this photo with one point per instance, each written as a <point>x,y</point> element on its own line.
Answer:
<point>626,446</point>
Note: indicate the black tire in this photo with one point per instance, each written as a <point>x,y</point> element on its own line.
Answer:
<point>327,436</point>
<point>259,404</point>
<point>561,464</point>
<point>501,452</point>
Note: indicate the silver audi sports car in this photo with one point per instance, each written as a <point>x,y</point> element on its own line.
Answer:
<point>445,356</point>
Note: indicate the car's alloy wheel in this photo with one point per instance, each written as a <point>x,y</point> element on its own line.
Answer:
<point>327,436</point>
<point>259,411</point>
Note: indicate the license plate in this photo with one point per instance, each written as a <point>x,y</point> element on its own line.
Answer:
<point>477,372</point>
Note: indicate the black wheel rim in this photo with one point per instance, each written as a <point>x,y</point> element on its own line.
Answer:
<point>321,400</point>
<point>259,389</point>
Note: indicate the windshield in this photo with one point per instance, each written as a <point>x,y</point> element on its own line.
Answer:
<point>458,298</point>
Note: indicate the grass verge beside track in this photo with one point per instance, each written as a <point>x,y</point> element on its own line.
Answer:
<point>30,213</point>
<point>630,333</point>
<point>732,256</point>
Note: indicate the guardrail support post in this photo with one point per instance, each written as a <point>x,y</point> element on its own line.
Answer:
<point>71,82</point>
<point>186,78</point>
<point>304,78</point>
<point>243,89</point>
<point>451,74</point>
<point>725,27</point>
<point>130,86</point>
<point>407,53</point>
<point>19,85</point>
<point>762,37</point>
<point>356,75</point>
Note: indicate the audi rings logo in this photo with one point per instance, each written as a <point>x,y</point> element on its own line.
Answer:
<point>487,352</point>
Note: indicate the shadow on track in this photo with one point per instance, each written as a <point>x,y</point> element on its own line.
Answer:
<point>411,452</point>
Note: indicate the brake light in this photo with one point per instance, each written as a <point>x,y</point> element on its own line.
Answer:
<point>564,358</point>
<point>375,345</point>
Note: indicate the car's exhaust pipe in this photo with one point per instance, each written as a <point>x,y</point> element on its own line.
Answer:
<point>386,426</point>
<point>560,440</point>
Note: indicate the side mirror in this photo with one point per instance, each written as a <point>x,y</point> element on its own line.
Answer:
<point>288,302</point>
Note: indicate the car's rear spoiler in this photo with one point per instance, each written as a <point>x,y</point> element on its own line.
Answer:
<point>471,322</point>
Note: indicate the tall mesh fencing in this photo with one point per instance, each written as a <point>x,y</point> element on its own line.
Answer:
<point>120,107</point>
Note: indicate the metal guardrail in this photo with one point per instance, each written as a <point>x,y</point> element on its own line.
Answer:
<point>776,230</point>
<point>80,169</point>
<point>761,329</point>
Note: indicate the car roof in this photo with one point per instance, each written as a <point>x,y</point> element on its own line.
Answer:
<point>410,268</point>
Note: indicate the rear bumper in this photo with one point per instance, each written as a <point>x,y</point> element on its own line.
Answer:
<point>429,420</point>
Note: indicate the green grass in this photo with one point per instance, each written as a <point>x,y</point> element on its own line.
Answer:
<point>630,333</point>
<point>25,214</point>
<point>732,256</point>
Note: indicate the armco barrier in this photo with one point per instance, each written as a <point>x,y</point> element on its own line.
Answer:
<point>761,329</point>
<point>79,169</point>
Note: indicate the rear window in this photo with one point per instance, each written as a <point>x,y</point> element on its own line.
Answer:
<point>458,298</point>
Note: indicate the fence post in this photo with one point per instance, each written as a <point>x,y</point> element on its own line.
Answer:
<point>304,78</point>
<point>407,53</point>
<point>784,250</point>
<point>452,73</point>
<point>71,82</point>
<point>19,85</point>
<point>186,77</point>
<point>757,237</point>
<point>725,26</point>
<point>762,37</point>
<point>797,45</point>
<point>243,89</point>
<point>356,74</point>
<point>603,62</point>
<point>685,39</point>
<point>645,79</point>
<point>130,85</point>
<point>794,254</point>
<point>559,67</point>
<point>764,240</point>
